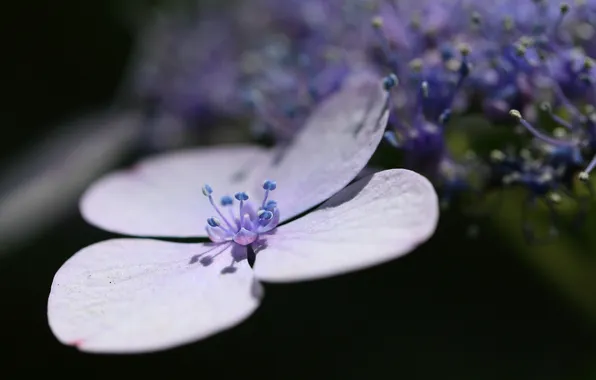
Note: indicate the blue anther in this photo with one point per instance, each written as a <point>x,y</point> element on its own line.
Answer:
<point>207,190</point>
<point>445,116</point>
<point>389,82</point>
<point>265,215</point>
<point>226,200</point>
<point>213,222</point>
<point>269,185</point>
<point>391,138</point>
<point>446,53</point>
<point>242,196</point>
<point>270,205</point>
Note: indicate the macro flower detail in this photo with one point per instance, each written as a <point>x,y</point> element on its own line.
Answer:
<point>138,295</point>
<point>251,222</point>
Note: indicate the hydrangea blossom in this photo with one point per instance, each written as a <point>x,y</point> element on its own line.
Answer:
<point>137,295</point>
<point>254,59</point>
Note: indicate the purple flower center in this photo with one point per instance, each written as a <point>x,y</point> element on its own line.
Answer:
<point>245,227</point>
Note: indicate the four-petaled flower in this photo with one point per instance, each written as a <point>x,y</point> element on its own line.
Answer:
<point>135,295</point>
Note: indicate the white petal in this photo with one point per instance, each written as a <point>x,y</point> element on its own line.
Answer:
<point>137,295</point>
<point>161,196</point>
<point>379,218</point>
<point>334,145</point>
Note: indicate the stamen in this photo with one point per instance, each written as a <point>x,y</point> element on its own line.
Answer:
<point>241,196</point>
<point>226,200</point>
<point>268,186</point>
<point>271,205</point>
<point>391,138</point>
<point>207,191</point>
<point>424,88</point>
<point>545,106</point>
<point>377,23</point>
<point>213,222</point>
<point>516,114</point>
<point>445,116</point>
<point>265,215</point>
<point>563,10</point>
<point>390,81</point>
<point>585,175</point>
<point>249,224</point>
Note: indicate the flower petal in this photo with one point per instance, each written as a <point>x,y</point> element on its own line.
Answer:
<point>137,295</point>
<point>377,219</point>
<point>161,196</point>
<point>334,145</point>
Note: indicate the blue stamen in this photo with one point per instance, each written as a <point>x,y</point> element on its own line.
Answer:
<point>391,138</point>
<point>207,190</point>
<point>270,205</point>
<point>445,116</point>
<point>241,196</point>
<point>390,81</point>
<point>226,200</point>
<point>446,53</point>
<point>265,215</point>
<point>213,222</point>
<point>538,134</point>
<point>269,185</point>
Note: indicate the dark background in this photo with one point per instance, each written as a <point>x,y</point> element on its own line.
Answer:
<point>454,309</point>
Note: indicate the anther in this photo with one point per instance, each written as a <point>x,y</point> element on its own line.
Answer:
<point>416,65</point>
<point>445,116</point>
<point>497,156</point>
<point>270,205</point>
<point>564,8</point>
<point>424,88</point>
<point>516,114</point>
<point>555,198</point>
<point>207,190</point>
<point>464,49</point>
<point>559,132</point>
<point>213,222</point>
<point>390,81</point>
<point>226,200</point>
<point>377,22</point>
<point>391,138</point>
<point>520,50</point>
<point>268,185</point>
<point>242,196</point>
<point>265,214</point>
<point>583,176</point>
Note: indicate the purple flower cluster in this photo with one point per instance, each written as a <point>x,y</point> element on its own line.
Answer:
<point>522,61</point>
<point>274,62</point>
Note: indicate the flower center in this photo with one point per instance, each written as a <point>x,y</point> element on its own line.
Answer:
<point>245,227</point>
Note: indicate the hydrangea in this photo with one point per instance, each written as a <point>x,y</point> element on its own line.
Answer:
<point>136,295</point>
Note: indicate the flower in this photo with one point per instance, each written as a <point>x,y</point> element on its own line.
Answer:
<point>137,295</point>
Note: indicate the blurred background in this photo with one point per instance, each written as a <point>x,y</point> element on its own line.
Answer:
<point>491,307</point>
